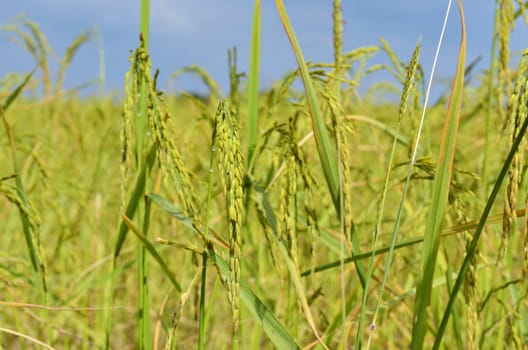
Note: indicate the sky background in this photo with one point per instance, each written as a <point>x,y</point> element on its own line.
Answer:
<point>199,32</point>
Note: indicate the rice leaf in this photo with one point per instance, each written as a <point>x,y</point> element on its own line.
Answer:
<point>271,326</point>
<point>135,198</point>
<point>13,96</point>
<point>439,198</point>
<point>324,147</point>
<point>472,248</point>
<point>328,240</point>
<point>29,223</point>
<point>152,250</point>
<point>253,84</point>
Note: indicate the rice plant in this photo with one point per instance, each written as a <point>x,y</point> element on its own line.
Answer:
<point>267,217</point>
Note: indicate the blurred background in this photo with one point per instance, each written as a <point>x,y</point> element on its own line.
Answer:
<point>200,32</point>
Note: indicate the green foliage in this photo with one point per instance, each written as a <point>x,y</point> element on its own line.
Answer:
<point>235,238</point>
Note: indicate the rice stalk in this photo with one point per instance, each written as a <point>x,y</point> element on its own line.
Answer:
<point>36,43</point>
<point>506,23</point>
<point>159,123</point>
<point>31,221</point>
<point>140,120</point>
<point>18,196</point>
<point>444,170</point>
<point>469,290</point>
<point>308,204</point>
<point>136,116</point>
<point>209,82</point>
<point>101,55</point>
<point>43,48</point>
<point>517,114</point>
<point>478,231</point>
<point>396,63</point>
<point>286,230</point>
<point>294,274</point>
<point>342,130</point>
<point>337,21</point>
<point>253,84</point>
<point>176,316</point>
<point>408,88</point>
<point>26,337</point>
<point>234,79</point>
<point>230,164</point>
<point>267,226</point>
<point>68,56</point>
<point>171,162</point>
<point>325,150</point>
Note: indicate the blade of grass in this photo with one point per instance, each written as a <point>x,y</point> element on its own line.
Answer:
<point>253,84</point>
<point>152,250</point>
<point>441,184</point>
<point>415,153</point>
<point>271,326</point>
<point>474,242</point>
<point>14,95</point>
<point>102,66</point>
<point>202,319</point>
<point>294,274</point>
<point>324,146</point>
<point>407,88</point>
<point>262,200</point>
<point>327,153</point>
<point>132,205</point>
<point>406,243</point>
<point>26,337</point>
<point>490,98</point>
<point>188,222</point>
<point>457,322</point>
<point>135,198</point>
<point>31,240</point>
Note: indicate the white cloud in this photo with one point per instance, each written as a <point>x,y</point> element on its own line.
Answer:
<point>174,16</point>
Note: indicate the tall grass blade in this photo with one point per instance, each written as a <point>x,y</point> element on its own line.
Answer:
<point>28,223</point>
<point>102,66</point>
<point>407,88</point>
<point>472,248</point>
<point>325,149</point>
<point>253,84</point>
<point>441,184</point>
<point>135,199</point>
<point>132,205</point>
<point>202,320</point>
<point>489,111</point>
<point>406,243</point>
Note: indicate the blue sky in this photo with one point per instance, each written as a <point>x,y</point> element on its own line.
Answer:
<point>199,32</point>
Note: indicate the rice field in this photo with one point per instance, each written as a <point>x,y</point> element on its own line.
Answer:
<point>282,218</point>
